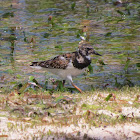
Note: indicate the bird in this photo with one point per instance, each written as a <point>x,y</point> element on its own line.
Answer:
<point>69,65</point>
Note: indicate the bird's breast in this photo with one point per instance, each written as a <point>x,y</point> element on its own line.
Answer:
<point>81,62</point>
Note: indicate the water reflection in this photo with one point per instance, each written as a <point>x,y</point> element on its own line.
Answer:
<point>12,40</point>
<point>40,30</point>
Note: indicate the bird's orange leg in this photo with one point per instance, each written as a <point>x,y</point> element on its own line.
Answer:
<point>76,87</point>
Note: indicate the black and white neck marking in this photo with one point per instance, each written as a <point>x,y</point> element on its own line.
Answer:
<point>81,61</point>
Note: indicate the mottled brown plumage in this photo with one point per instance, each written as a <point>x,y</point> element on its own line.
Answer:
<point>58,62</point>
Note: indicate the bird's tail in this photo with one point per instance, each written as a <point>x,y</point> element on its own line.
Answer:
<point>34,64</point>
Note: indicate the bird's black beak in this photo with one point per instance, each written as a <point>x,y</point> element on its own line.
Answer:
<point>96,53</point>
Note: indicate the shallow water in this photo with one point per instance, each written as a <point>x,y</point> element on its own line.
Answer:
<point>39,30</point>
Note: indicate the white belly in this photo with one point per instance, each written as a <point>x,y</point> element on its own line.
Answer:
<point>67,72</point>
<point>63,73</point>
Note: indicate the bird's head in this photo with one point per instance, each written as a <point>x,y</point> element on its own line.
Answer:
<point>87,49</point>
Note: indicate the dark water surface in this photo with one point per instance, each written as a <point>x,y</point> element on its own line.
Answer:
<point>32,30</point>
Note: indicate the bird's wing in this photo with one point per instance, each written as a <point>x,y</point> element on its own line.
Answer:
<point>58,62</point>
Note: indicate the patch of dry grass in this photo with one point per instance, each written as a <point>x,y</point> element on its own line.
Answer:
<point>72,112</point>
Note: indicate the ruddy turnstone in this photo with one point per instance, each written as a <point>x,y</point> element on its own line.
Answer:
<point>69,65</point>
